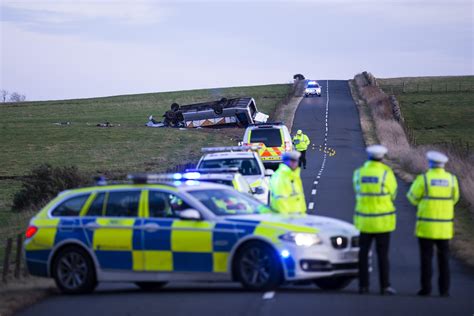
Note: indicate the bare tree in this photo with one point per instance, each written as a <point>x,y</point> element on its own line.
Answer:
<point>3,95</point>
<point>16,97</point>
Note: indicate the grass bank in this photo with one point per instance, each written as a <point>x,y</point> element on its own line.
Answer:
<point>31,137</point>
<point>448,114</point>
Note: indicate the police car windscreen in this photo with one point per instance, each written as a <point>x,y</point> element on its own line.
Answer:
<point>229,202</point>
<point>247,166</point>
<point>313,85</point>
<point>271,137</point>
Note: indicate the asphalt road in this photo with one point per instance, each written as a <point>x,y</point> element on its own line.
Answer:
<point>328,188</point>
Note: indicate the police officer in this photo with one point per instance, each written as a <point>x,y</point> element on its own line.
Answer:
<point>286,187</point>
<point>434,193</point>
<point>375,187</point>
<point>301,142</point>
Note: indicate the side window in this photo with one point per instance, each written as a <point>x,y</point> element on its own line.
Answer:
<point>70,207</point>
<point>163,204</point>
<point>97,206</point>
<point>122,204</point>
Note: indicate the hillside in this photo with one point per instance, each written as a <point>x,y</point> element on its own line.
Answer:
<point>31,137</point>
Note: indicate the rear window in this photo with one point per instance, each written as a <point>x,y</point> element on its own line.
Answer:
<point>71,207</point>
<point>247,166</point>
<point>271,137</point>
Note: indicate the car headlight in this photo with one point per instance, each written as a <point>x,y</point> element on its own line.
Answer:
<point>301,239</point>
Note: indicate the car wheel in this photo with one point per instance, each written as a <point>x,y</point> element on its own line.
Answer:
<point>333,283</point>
<point>150,286</point>
<point>258,267</point>
<point>73,271</point>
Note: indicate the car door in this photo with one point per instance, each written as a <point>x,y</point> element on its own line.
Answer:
<point>113,227</point>
<point>179,245</point>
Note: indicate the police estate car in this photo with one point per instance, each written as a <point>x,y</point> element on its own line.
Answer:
<point>151,234</point>
<point>248,162</point>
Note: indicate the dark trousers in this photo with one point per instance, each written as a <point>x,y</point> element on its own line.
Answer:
<point>426,258</point>
<point>382,244</point>
<point>302,161</point>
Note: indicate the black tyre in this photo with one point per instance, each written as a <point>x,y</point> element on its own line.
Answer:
<point>170,115</point>
<point>73,271</point>
<point>150,286</point>
<point>218,109</point>
<point>333,283</point>
<point>179,116</point>
<point>223,101</point>
<point>175,107</point>
<point>258,267</point>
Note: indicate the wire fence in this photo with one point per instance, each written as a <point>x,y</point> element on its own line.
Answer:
<point>414,87</point>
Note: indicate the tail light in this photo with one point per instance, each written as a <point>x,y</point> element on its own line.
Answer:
<point>31,231</point>
<point>288,146</point>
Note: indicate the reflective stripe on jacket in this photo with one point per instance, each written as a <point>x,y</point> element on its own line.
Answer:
<point>286,187</point>
<point>375,187</point>
<point>301,142</point>
<point>435,193</point>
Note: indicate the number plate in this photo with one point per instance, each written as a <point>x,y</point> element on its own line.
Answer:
<point>350,255</point>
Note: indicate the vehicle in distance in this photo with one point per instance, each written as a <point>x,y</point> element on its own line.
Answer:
<point>151,233</point>
<point>238,111</point>
<point>312,88</point>
<point>274,140</point>
<point>248,163</point>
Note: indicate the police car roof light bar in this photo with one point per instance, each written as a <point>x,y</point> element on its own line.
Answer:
<point>229,148</point>
<point>214,170</point>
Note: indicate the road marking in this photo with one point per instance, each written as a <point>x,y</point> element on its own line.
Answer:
<point>324,148</point>
<point>268,295</point>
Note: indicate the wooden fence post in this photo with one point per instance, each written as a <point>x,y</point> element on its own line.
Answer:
<point>19,243</point>
<point>403,88</point>
<point>417,87</point>
<point>6,259</point>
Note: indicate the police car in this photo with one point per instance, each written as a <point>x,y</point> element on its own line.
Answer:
<point>151,233</point>
<point>246,160</point>
<point>312,88</point>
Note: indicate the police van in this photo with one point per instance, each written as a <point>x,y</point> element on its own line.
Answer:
<point>274,140</point>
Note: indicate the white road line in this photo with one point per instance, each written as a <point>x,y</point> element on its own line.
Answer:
<point>268,295</point>
<point>324,146</point>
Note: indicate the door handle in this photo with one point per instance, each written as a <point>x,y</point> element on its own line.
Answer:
<point>151,227</point>
<point>92,226</point>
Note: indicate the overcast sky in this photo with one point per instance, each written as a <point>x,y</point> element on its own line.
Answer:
<point>73,48</point>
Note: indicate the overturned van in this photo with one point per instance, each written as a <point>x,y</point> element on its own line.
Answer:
<point>240,112</point>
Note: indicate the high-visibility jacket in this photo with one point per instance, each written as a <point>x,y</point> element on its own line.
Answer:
<point>286,187</point>
<point>301,142</point>
<point>435,193</point>
<point>375,187</point>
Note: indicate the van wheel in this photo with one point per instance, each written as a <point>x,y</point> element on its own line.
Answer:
<point>174,107</point>
<point>218,109</point>
<point>258,267</point>
<point>73,271</point>
<point>150,286</point>
<point>333,283</point>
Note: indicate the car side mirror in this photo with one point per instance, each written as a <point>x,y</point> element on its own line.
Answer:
<point>269,172</point>
<point>190,214</point>
<point>258,190</point>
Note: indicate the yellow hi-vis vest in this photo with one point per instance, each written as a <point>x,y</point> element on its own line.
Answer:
<point>375,187</point>
<point>435,193</point>
<point>287,195</point>
<point>301,142</point>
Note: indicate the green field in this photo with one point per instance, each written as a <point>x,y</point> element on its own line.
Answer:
<point>436,109</point>
<point>30,137</point>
